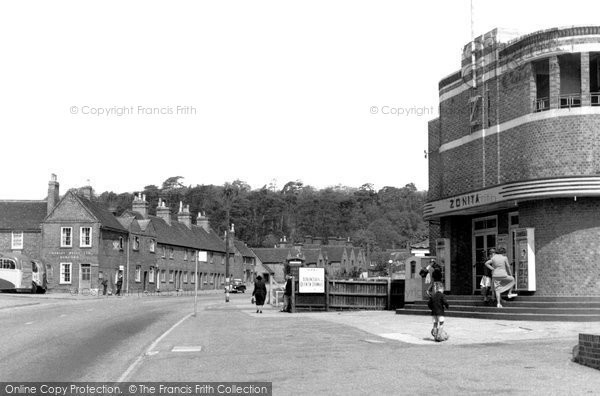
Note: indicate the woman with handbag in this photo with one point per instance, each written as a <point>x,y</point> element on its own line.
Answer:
<point>501,275</point>
<point>259,293</point>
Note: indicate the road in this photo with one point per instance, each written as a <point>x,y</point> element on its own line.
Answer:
<point>349,353</point>
<point>93,339</point>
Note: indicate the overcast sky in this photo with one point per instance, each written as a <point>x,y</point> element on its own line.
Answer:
<point>269,91</point>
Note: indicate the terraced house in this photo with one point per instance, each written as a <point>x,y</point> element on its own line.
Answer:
<point>85,245</point>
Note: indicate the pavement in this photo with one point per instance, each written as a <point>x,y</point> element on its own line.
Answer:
<point>412,329</point>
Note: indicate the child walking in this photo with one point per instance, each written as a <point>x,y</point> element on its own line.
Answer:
<point>437,303</point>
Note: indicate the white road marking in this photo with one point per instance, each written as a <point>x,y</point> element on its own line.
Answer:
<point>375,341</point>
<point>186,349</point>
<point>28,323</point>
<point>150,351</point>
<point>63,315</point>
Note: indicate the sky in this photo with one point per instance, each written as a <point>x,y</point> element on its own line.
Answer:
<point>125,94</point>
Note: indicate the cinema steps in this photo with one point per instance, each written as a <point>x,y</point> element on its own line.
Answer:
<point>565,309</point>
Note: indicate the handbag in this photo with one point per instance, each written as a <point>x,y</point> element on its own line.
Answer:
<point>252,300</point>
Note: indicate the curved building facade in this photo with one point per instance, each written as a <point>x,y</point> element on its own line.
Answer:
<point>514,161</point>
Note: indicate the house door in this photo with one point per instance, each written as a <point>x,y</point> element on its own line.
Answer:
<point>85,276</point>
<point>485,233</point>
<point>145,284</point>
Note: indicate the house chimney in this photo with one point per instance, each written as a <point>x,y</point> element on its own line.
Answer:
<point>202,221</point>
<point>317,240</point>
<point>86,191</point>
<point>163,211</point>
<point>308,239</point>
<point>140,205</point>
<point>52,193</point>
<point>184,216</point>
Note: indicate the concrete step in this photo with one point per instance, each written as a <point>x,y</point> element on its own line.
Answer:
<point>503,315</point>
<point>519,308</point>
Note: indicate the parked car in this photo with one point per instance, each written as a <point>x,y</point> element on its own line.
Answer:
<point>238,286</point>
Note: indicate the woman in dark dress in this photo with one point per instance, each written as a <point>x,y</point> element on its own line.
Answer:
<point>259,293</point>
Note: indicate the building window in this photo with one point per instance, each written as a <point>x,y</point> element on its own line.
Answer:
<point>171,253</point>
<point>185,254</point>
<point>152,245</point>
<point>85,237</point>
<point>185,278</point>
<point>136,243</point>
<point>163,276</point>
<point>164,252</point>
<point>171,276</point>
<point>66,237</point>
<point>193,256</point>
<point>138,273</point>
<point>193,277</point>
<point>65,273</point>
<point>120,243</point>
<point>151,276</point>
<point>17,240</point>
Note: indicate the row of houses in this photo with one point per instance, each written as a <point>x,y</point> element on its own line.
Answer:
<point>339,257</point>
<point>84,245</point>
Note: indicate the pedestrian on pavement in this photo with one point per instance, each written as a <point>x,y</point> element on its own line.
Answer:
<point>501,275</point>
<point>287,295</point>
<point>486,279</point>
<point>119,285</point>
<point>438,303</point>
<point>104,286</point>
<point>436,279</point>
<point>259,293</point>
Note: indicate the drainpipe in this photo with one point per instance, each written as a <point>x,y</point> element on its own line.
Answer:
<point>127,284</point>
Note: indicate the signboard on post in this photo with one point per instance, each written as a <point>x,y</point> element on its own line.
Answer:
<point>202,256</point>
<point>311,280</point>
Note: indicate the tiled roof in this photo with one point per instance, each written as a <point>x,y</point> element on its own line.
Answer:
<point>106,218</point>
<point>22,215</point>
<point>243,249</point>
<point>311,255</point>
<point>334,253</point>
<point>271,255</point>
<point>421,245</point>
<point>209,240</point>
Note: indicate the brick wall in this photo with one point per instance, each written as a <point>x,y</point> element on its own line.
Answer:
<point>458,229</point>
<point>566,245</point>
<point>588,353</point>
<point>32,243</point>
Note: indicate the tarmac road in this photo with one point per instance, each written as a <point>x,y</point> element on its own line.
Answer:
<point>81,339</point>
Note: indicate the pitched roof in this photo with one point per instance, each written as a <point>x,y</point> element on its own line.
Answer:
<point>209,240</point>
<point>106,218</point>
<point>421,245</point>
<point>311,255</point>
<point>22,215</point>
<point>334,253</point>
<point>271,255</point>
<point>243,249</point>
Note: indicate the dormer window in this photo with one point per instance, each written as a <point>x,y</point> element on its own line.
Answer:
<point>152,246</point>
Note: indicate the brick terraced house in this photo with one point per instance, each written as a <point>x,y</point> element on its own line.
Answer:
<point>83,244</point>
<point>514,162</point>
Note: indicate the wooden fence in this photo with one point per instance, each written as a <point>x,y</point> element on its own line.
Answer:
<point>352,294</point>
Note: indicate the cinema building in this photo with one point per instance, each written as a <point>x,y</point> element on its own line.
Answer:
<point>514,162</point>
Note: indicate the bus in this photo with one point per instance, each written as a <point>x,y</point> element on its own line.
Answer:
<point>20,273</point>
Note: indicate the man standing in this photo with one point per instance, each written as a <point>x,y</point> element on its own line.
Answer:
<point>287,295</point>
<point>119,284</point>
